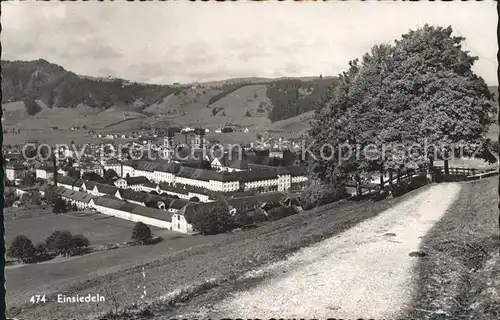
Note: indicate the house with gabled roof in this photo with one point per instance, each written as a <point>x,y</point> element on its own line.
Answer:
<point>234,161</point>
<point>80,199</point>
<point>133,212</point>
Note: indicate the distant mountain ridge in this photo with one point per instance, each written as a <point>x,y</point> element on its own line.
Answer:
<point>56,87</point>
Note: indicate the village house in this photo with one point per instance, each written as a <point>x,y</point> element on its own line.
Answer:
<point>15,171</point>
<point>230,162</point>
<point>186,194</point>
<point>120,183</point>
<point>133,212</point>
<point>260,180</point>
<point>142,199</point>
<point>81,199</point>
<point>135,183</point>
<point>46,173</point>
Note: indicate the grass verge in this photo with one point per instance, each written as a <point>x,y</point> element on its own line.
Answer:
<point>459,277</point>
<point>151,289</point>
<point>252,249</point>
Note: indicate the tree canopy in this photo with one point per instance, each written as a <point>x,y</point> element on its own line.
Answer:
<point>419,94</point>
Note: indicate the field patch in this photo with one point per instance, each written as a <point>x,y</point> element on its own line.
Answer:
<point>99,229</point>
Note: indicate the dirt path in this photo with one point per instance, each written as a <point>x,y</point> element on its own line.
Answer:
<point>364,272</point>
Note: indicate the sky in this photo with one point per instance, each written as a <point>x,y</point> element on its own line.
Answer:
<point>182,41</point>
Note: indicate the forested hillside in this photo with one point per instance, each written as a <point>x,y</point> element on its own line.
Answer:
<point>291,97</point>
<point>57,87</point>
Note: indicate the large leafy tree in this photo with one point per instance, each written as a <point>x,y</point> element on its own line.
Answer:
<point>22,248</point>
<point>419,93</point>
<point>436,99</point>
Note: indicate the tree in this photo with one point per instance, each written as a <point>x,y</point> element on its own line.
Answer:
<point>141,233</point>
<point>40,249</point>
<point>91,176</point>
<point>444,100</point>
<point>110,174</point>
<point>206,165</point>
<point>248,114</point>
<point>72,172</point>
<point>59,242</point>
<point>213,219</point>
<point>319,193</point>
<point>406,95</point>
<point>22,248</point>
<point>194,199</point>
<point>32,107</point>
<point>28,179</point>
<point>64,243</point>
<point>78,244</point>
<point>60,206</point>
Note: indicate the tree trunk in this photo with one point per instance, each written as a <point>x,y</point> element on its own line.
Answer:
<point>431,168</point>
<point>381,182</point>
<point>399,175</point>
<point>359,190</point>
<point>446,167</point>
<point>390,180</point>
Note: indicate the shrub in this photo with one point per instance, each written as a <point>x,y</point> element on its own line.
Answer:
<point>248,114</point>
<point>60,206</point>
<point>31,106</point>
<point>40,248</point>
<point>407,186</point>
<point>78,244</point>
<point>249,216</point>
<point>281,212</point>
<point>59,242</point>
<point>141,233</point>
<point>213,220</point>
<point>319,193</point>
<point>22,248</point>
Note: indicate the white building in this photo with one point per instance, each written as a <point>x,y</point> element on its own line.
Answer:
<point>133,212</point>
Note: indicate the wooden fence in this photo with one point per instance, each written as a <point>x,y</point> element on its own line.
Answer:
<point>466,174</point>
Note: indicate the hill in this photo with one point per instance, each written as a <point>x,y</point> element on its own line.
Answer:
<point>291,97</point>
<point>57,87</point>
<point>299,124</point>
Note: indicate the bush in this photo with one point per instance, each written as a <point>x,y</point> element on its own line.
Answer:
<point>213,220</point>
<point>31,106</point>
<point>64,243</point>
<point>59,242</point>
<point>78,244</point>
<point>319,193</point>
<point>407,186</point>
<point>40,248</point>
<point>60,206</point>
<point>281,212</point>
<point>141,233</point>
<point>153,240</point>
<point>249,216</point>
<point>22,248</point>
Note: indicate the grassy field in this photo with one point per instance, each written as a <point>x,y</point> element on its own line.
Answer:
<point>459,277</point>
<point>298,124</point>
<point>189,101</point>
<point>99,229</point>
<point>222,258</point>
<point>468,163</point>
